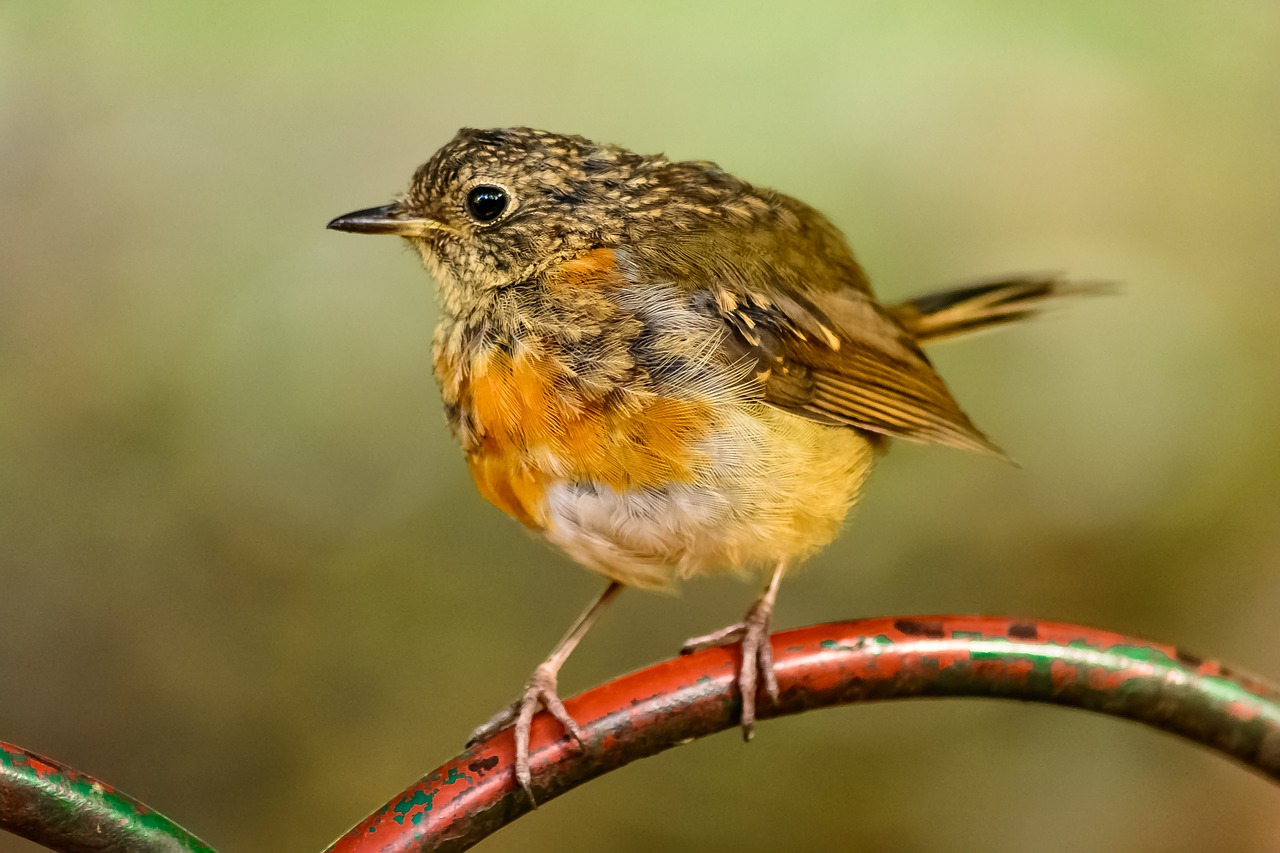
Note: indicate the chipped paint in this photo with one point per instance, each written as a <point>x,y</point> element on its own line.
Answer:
<point>695,695</point>
<point>692,696</point>
<point>38,795</point>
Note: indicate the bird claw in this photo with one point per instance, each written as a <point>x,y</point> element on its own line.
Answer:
<point>539,691</point>
<point>757,658</point>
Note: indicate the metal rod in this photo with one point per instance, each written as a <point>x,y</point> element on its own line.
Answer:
<point>71,812</point>
<point>475,794</point>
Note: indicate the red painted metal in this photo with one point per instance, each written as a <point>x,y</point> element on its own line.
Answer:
<point>470,797</point>
<point>638,715</point>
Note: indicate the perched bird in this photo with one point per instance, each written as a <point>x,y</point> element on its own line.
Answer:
<point>666,371</point>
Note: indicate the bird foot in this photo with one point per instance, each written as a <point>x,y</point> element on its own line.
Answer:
<point>757,658</point>
<point>539,691</point>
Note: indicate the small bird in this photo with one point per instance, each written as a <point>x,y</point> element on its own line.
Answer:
<point>666,371</point>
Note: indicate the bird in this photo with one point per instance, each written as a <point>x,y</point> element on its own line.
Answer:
<point>666,371</point>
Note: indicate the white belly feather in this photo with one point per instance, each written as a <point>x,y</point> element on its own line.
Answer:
<point>775,488</point>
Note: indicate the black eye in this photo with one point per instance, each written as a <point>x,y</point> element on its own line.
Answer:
<point>486,202</point>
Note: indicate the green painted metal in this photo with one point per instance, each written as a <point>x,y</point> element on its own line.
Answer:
<point>643,713</point>
<point>71,812</point>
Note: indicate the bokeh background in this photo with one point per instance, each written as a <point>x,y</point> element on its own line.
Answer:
<point>244,574</point>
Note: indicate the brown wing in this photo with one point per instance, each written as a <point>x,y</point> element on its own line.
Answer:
<point>801,312</point>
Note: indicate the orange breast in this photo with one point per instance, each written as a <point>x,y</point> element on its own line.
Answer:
<point>534,429</point>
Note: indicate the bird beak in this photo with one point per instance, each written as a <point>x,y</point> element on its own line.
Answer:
<point>388,219</point>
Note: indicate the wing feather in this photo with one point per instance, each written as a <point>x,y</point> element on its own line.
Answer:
<point>822,346</point>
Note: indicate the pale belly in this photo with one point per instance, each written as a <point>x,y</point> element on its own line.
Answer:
<point>772,487</point>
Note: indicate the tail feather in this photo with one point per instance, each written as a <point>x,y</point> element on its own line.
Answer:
<point>985,305</point>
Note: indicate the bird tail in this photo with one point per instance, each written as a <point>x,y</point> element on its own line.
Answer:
<point>985,305</point>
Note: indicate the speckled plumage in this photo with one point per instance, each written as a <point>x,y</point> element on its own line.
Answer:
<point>610,418</point>
<point>665,370</point>
<point>661,368</point>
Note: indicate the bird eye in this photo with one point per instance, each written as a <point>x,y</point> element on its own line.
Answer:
<point>486,202</point>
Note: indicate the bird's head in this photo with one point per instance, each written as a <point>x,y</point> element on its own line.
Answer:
<point>495,207</point>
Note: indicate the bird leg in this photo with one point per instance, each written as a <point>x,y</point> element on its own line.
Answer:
<point>757,653</point>
<point>541,690</point>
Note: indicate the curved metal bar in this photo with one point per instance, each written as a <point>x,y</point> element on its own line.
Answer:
<point>641,714</point>
<point>475,794</point>
<point>68,811</point>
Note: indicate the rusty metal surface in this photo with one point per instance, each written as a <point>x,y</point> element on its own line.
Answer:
<point>69,811</point>
<point>475,794</point>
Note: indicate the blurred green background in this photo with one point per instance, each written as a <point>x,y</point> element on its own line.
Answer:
<point>245,576</point>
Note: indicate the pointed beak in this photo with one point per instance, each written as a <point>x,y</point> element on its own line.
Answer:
<point>388,219</point>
